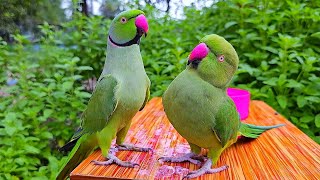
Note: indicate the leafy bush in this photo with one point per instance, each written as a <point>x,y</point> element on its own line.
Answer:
<point>277,42</point>
<point>86,38</point>
<point>41,110</point>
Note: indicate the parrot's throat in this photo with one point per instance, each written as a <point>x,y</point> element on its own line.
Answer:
<point>135,40</point>
<point>194,63</point>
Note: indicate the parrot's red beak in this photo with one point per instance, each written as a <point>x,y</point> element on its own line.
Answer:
<point>198,53</point>
<point>142,24</point>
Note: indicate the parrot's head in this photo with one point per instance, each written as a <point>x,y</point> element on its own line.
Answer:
<point>215,60</point>
<point>128,27</point>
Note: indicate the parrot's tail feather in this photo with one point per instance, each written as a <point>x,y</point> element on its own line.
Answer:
<point>68,147</point>
<point>252,131</point>
<point>81,150</point>
<point>77,135</point>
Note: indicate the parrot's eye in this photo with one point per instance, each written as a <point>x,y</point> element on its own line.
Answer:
<point>221,58</point>
<point>123,20</point>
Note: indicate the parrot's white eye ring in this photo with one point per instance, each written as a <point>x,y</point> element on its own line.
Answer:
<point>123,20</point>
<point>221,58</point>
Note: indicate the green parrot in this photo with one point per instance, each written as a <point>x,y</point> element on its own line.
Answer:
<point>197,105</point>
<point>121,91</point>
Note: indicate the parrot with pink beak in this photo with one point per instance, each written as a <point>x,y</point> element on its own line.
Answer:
<point>121,91</point>
<point>197,105</point>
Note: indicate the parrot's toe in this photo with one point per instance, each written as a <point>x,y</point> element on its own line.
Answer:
<point>102,163</point>
<point>129,147</point>
<point>112,159</point>
<point>199,157</point>
<point>205,169</point>
<point>179,159</point>
<point>215,170</point>
<point>190,157</point>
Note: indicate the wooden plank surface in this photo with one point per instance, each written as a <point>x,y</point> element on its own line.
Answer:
<point>282,153</point>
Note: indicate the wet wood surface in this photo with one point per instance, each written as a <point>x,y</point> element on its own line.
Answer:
<point>282,153</point>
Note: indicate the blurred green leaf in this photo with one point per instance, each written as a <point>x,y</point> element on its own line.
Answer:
<point>317,121</point>
<point>67,85</point>
<point>85,68</point>
<point>307,119</point>
<point>229,24</point>
<point>282,100</point>
<point>301,101</point>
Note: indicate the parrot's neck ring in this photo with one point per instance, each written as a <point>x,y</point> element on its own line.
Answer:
<point>135,40</point>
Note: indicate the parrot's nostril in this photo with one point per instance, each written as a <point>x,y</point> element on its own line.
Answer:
<point>199,52</point>
<point>142,23</point>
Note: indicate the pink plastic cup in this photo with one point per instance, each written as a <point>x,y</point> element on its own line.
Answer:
<point>241,99</point>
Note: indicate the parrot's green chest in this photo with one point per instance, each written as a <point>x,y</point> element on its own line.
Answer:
<point>131,95</point>
<point>132,92</point>
<point>126,66</point>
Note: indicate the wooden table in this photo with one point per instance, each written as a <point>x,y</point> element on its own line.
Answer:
<point>282,153</point>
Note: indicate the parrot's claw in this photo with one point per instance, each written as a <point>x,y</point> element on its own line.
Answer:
<point>205,169</point>
<point>190,157</point>
<point>129,147</point>
<point>113,159</point>
<point>198,157</point>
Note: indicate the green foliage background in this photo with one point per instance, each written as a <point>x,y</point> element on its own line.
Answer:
<point>23,15</point>
<point>277,42</point>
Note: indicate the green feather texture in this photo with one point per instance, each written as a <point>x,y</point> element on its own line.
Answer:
<point>101,105</point>
<point>253,131</point>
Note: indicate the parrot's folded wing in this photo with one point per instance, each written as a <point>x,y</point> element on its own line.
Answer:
<point>227,122</point>
<point>101,105</point>
<point>146,98</point>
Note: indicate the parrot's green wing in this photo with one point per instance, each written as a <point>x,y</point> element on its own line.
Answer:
<point>99,109</point>
<point>101,105</point>
<point>227,122</point>
<point>146,98</point>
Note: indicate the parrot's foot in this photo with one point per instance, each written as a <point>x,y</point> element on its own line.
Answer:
<point>129,147</point>
<point>190,157</point>
<point>205,169</point>
<point>113,159</point>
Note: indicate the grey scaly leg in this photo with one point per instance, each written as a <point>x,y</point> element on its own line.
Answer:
<point>112,159</point>
<point>205,169</point>
<point>190,157</point>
